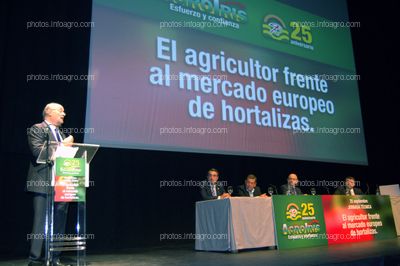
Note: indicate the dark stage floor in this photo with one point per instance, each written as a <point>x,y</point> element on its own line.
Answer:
<point>383,252</point>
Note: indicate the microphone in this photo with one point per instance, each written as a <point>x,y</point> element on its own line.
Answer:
<point>47,137</point>
<point>294,189</point>
<point>47,132</point>
<point>274,187</point>
<point>290,189</point>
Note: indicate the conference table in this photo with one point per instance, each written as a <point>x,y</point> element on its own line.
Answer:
<point>243,223</point>
<point>233,224</point>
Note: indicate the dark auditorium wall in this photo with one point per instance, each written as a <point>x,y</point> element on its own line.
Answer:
<point>126,206</point>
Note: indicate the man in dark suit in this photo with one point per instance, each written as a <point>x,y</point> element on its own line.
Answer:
<point>349,188</point>
<point>291,187</point>
<point>38,182</point>
<point>212,188</point>
<point>250,188</point>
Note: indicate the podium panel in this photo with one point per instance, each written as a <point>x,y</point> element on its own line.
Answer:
<point>69,178</point>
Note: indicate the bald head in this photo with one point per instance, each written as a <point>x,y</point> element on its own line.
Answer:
<point>54,114</point>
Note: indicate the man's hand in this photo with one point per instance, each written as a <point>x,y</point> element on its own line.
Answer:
<point>264,196</point>
<point>225,195</point>
<point>68,141</point>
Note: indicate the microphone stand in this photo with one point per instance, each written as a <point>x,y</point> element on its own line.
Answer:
<point>49,201</point>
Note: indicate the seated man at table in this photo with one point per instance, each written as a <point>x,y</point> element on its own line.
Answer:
<point>291,187</point>
<point>250,188</point>
<point>349,188</point>
<point>212,189</point>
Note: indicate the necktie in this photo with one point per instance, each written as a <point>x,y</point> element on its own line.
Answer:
<point>213,190</point>
<point>58,136</point>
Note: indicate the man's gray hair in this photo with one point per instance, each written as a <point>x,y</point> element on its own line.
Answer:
<point>50,107</point>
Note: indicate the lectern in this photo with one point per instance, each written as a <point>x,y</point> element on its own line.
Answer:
<point>68,176</point>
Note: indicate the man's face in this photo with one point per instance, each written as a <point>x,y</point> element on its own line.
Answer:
<point>350,183</point>
<point>293,180</point>
<point>56,115</point>
<point>213,176</point>
<point>250,184</point>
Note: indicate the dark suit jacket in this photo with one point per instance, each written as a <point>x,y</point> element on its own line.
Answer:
<point>242,191</point>
<point>206,193</point>
<point>284,189</point>
<point>342,191</point>
<point>38,176</point>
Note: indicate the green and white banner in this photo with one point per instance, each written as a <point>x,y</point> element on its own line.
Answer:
<point>299,221</point>
<point>70,174</point>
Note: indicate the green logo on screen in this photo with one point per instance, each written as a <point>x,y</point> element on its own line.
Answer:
<point>296,34</point>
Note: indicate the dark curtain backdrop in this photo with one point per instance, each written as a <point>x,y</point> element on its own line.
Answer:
<point>126,206</point>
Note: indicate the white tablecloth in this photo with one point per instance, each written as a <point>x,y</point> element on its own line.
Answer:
<point>395,201</point>
<point>233,224</point>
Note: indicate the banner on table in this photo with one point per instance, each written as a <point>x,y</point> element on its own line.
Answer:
<point>358,218</point>
<point>70,180</point>
<point>299,221</point>
<point>304,221</point>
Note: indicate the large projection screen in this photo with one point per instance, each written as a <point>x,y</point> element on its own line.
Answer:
<point>257,78</point>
